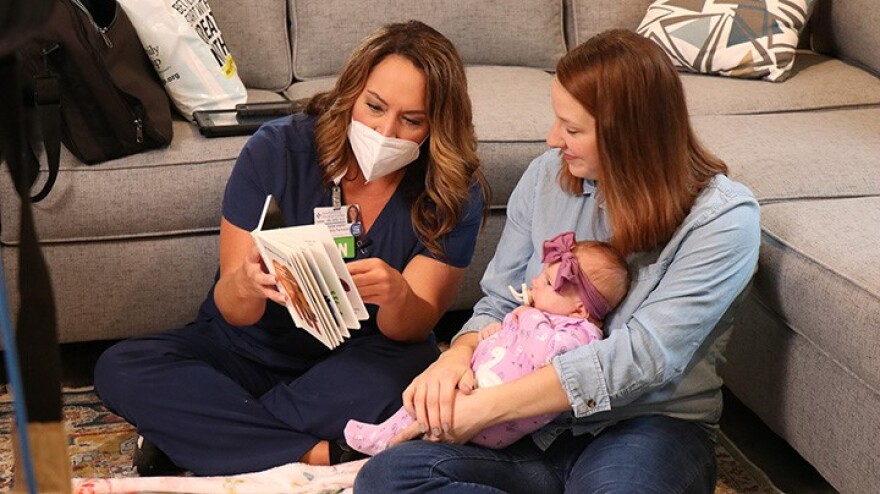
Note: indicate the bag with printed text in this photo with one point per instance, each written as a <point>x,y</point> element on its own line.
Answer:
<point>187,49</point>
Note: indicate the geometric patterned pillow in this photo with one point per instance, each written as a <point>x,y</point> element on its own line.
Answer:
<point>754,39</point>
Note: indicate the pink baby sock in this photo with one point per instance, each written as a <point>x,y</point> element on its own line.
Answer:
<point>372,439</point>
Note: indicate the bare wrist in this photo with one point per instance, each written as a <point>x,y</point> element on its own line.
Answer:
<point>459,352</point>
<point>494,411</point>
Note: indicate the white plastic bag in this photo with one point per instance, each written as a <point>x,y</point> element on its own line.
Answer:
<point>188,51</point>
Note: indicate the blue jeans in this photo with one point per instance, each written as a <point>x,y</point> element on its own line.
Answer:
<point>652,454</point>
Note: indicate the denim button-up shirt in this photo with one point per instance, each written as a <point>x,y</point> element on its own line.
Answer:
<point>663,340</point>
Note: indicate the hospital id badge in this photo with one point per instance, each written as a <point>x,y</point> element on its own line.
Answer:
<point>344,224</point>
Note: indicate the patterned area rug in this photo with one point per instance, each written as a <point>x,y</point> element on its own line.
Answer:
<point>100,446</point>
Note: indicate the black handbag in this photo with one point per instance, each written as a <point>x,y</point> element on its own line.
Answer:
<point>93,86</point>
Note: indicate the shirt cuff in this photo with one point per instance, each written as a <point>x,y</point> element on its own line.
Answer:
<point>474,324</point>
<point>582,379</point>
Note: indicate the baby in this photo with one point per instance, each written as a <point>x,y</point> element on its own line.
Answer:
<point>580,284</point>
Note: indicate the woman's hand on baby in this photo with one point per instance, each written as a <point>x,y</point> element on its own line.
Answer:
<point>430,397</point>
<point>470,419</point>
<point>377,282</point>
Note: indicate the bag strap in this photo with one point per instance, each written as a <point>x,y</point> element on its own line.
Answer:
<point>10,130</point>
<point>36,334</point>
<point>39,371</point>
<point>47,99</point>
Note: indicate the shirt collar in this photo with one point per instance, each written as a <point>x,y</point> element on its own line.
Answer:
<point>589,187</point>
<point>590,190</point>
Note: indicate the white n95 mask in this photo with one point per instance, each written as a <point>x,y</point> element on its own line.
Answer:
<point>378,155</point>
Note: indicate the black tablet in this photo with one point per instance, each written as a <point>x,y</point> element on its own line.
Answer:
<point>268,108</point>
<point>220,123</point>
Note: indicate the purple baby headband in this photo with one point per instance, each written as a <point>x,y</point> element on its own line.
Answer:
<point>558,249</point>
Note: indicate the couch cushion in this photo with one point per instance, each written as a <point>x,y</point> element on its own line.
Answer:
<point>307,89</point>
<point>818,267</point>
<point>117,289</point>
<point>168,191</point>
<point>257,35</point>
<point>820,407</point>
<point>733,38</point>
<point>849,29</point>
<point>163,192</point>
<point>512,115</point>
<point>805,89</point>
<point>799,155</point>
<point>526,32</point>
<point>585,19</point>
<point>817,82</point>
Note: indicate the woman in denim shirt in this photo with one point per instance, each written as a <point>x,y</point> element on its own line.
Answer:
<point>642,404</point>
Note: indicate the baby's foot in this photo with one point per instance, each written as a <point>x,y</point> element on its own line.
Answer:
<point>372,439</point>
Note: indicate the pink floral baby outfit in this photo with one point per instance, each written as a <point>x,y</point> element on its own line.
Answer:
<point>521,346</point>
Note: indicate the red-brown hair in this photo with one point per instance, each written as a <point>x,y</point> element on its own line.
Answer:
<point>651,165</point>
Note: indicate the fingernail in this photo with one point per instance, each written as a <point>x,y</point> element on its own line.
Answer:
<point>446,427</point>
<point>435,431</point>
<point>422,428</point>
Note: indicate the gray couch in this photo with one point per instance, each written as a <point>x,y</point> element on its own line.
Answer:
<point>132,243</point>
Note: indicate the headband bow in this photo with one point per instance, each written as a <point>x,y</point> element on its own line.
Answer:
<point>558,249</point>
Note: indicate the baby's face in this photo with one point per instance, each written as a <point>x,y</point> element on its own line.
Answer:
<point>546,299</point>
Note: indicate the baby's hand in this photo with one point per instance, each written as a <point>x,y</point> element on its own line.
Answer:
<point>489,330</point>
<point>519,310</point>
<point>514,315</point>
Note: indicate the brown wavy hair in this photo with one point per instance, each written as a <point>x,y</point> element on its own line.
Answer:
<point>651,164</point>
<point>451,165</point>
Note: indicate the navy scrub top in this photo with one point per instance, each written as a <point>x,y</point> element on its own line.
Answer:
<point>281,159</point>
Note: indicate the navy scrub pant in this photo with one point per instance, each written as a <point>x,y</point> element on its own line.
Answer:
<point>215,410</point>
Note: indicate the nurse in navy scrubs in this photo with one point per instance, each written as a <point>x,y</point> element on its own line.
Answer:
<point>242,389</point>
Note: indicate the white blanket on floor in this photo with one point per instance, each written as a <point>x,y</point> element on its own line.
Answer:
<point>293,478</point>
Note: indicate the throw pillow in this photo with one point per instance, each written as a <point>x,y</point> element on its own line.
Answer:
<point>736,38</point>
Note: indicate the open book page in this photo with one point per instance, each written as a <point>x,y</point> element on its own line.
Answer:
<point>300,303</point>
<point>323,298</point>
<point>321,243</point>
<point>320,298</point>
<point>331,296</point>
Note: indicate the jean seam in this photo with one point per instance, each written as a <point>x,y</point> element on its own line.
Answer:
<point>432,471</point>
<point>436,463</point>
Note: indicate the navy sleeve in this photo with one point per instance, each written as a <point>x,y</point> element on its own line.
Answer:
<point>258,171</point>
<point>460,243</point>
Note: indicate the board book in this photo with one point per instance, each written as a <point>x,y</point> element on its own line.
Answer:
<point>305,260</point>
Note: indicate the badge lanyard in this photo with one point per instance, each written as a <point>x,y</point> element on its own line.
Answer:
<point>344,222</point>
<point>337,196</point>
